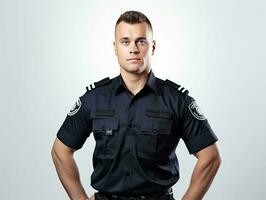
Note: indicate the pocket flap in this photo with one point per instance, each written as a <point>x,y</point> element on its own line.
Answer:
<point>105,123</point>
<point>105,112</point>
<point>159,114</point>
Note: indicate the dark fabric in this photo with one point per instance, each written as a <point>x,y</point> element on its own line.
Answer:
<point>159,196</point>
<point>136,135</point>
<point>163,197</point>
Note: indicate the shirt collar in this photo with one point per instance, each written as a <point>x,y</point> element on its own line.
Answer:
<point>118,83</point>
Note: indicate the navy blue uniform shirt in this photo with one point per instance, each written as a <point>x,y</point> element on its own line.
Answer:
<point>136,135</point>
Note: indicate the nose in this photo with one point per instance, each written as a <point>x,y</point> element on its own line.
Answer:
<point>134,49</point>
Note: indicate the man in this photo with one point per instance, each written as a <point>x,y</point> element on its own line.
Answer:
<point>137,121</point>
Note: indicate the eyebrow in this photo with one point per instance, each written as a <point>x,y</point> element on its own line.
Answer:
<point>137,39</point>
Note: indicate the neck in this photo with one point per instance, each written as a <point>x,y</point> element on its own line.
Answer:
<point>134,81</point>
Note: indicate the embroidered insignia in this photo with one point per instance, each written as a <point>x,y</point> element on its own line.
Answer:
<point>195,111</point>
<point>91,87</point>
<point>75,108</point>
<point>183,90</point>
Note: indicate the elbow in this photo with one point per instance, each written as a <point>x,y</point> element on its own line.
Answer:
<point>53,153</point>
<point>217,161</point>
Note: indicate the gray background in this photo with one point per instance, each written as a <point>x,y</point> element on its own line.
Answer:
<point>50,50</point>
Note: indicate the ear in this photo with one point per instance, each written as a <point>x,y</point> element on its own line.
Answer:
<point>115,48</point>
<point>153,47</point>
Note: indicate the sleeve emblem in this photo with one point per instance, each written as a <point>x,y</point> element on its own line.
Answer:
<point>75,108</point>
<point>195,111</point>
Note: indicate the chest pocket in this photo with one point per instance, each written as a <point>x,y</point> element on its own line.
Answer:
<point>155,135</point>
<point>105,132</point>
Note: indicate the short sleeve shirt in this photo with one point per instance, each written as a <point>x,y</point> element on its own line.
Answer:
<point>136,135</point>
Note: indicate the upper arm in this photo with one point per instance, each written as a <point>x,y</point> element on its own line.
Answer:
<point>59,148</point>
<point>76,127</point>
<point>209,153</point>
<point>196,131</point>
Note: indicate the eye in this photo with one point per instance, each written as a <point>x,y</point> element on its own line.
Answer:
<point>125,42</point>
<point>142,42</point>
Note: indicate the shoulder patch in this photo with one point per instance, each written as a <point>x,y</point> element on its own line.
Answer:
<point>99,83</point>
<point>178,87</point>
<point>75,108</point>
<point>195,111</point>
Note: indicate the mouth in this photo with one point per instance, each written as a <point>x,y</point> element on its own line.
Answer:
<point>133,59</point>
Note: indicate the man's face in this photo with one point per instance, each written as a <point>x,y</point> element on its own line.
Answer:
<point>134,46</point>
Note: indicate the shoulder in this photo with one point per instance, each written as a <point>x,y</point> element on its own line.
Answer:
<point>93,89</point>
<point>99,84</point>
<point>172,86</point>
<point>87,98</point>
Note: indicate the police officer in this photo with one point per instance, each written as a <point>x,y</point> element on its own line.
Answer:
<point>137,121</point>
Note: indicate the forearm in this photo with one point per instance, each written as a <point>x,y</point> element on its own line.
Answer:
<point>202,177</point>
<point>68,173</point>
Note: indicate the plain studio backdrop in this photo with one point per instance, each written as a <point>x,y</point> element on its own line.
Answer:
<point>51,50</point>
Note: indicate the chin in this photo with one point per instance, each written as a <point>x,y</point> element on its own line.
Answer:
<point>134,69</point>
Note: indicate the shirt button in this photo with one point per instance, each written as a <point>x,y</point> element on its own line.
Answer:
<point>155,130</point>
<point>127,173</point>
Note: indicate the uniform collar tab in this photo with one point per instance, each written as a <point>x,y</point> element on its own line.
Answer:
<point>151,82</point>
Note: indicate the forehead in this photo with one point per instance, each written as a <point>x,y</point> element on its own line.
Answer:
<point>124,29</point>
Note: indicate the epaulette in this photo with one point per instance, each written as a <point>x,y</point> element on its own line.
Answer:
<point>178,87</point>
<point>98,83</point>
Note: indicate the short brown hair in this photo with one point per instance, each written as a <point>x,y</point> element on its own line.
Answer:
<point>133,17</point>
